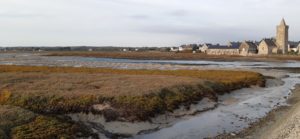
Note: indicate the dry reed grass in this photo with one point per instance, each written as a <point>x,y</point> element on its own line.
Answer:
<point>174,56</point>
<point>133,94</point>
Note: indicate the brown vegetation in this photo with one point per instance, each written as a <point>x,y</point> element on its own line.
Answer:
<point>48,128</point>
<point>11,117</point>
<point>174,56</point>
<point>223,76</point>
<point>18,123</point>
<point>132,94</point>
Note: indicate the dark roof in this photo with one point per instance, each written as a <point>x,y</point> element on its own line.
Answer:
<point>251,44</point>
<point>270,42</point>
<point>234,44</point>
<point>208,44</point>
<point>283,22</point>
<point>293,44</point>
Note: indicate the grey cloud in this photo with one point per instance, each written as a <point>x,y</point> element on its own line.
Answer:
<point>102,22</point>
<point>179,13</point>
<point>208,34</point>
<point>140,16</point>
<point>21,15</point>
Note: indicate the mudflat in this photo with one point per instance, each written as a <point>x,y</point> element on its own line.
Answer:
<point>280,123</point>
<point>287,124</point>
<point>156,55</point>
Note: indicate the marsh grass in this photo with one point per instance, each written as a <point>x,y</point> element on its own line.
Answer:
<point>224,76</point>
<point>11,117</point>
<point>174,56</point>
<point>171,89</point>
<point>47,128</point>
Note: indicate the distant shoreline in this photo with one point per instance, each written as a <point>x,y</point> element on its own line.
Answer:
<point>174,56</point>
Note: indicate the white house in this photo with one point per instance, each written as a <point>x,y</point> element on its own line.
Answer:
<point>204,47</point>
<point>174,49</point>
<point>180,48</point>
<point>293,46</point>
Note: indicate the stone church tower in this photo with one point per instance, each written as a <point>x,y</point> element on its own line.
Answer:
<point>282,37</point>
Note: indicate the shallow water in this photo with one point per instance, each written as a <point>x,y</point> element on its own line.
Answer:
<point>234,113</point>
<point>31,59</point>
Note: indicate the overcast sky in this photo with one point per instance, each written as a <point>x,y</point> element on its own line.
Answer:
<point>142,22</point>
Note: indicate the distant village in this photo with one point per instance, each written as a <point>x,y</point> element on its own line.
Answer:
<point>267,46</point>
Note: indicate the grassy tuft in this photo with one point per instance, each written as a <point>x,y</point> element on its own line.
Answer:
<point>3,135</point>
<point>46,127</point>
<point>4,96</point>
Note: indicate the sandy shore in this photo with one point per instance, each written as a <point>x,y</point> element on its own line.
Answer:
<point>281,123</point>
<point>286,126</point>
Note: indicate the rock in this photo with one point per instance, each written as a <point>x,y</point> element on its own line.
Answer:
<point>110,115</point>
<point>101,107</point>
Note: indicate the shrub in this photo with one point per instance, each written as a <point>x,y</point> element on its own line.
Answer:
<point>13,116</point>
<point>3,135</point>
<point>47,127</point>
<point>4,96</point>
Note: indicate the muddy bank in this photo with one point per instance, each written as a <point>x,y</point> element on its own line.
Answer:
<point>123,129</point>
<point>282,122</point>
<point>168,120</point>
<point>174,56</point>
<point>235,112</point>
<point>76,61</point>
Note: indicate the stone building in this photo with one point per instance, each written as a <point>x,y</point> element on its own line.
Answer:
<point>293,46</point>
<point>299,49</point>
<point>204,47</point>
<point>279,45</point>
<point>267,46</point>
<point>282,37</point>
<point>248,48</point>
<point>222,50</point>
